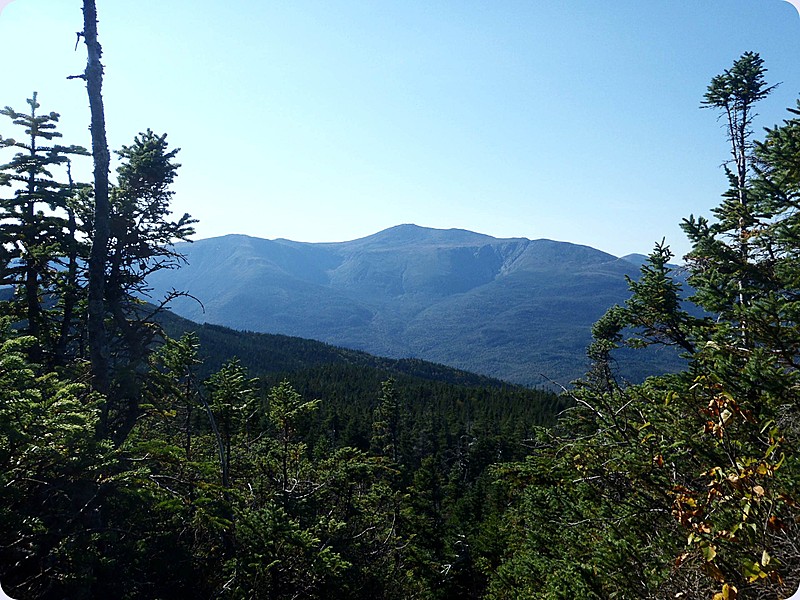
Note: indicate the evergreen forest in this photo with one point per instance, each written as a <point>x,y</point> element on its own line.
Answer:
<point>143,456</point>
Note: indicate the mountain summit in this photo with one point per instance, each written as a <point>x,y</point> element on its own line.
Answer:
<point>516,309</point>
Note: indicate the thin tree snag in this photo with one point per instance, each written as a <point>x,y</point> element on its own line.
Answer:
<point>97,338</point>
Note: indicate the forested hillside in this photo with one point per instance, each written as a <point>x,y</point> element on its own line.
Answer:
<point>139,464</point>
<point>517,309</point>
<point>333,473</point>
<point>685,486</point>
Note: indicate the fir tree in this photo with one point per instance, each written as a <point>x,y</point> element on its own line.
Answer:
<point>39,246</point>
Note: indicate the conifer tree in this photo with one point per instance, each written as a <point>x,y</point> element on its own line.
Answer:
<point>685,485</point>
<point>232,400</point>
<point>387,422</point>
<point>141,241</point>
<point>287,409</point>
<point>53,477</point>
<point>39,244</point>
<point>725,284</point>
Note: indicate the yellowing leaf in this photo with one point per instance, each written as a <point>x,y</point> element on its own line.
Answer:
<point>709,552</point>
<point>751,570</point>
<point>728,592</point>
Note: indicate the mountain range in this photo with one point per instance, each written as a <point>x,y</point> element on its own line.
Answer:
<point>516,309</point>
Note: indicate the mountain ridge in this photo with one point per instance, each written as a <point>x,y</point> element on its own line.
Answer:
<point>512,308</point>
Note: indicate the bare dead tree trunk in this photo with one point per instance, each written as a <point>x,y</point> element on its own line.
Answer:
<point>97,338</point>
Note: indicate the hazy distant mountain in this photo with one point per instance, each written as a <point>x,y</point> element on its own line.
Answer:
<point>516,309</point>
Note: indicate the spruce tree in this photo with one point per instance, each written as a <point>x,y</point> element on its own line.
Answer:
<point>141,238</point>
<point>40,246</point>
<point>721,250</point>
<point>685,485</point>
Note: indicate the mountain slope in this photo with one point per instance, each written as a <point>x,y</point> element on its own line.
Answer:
<point>349,381</point>
<point>516,309</point>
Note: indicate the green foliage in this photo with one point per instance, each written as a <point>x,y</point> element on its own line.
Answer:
<point>53,474</point>
<point>141,232</point>
<point>685,485</point>
<point>654,311</point>
<point>39,250</point>
<point>220,488</point>
<point>281,559</point>
<point>388,420</point>
<point>141,237</point>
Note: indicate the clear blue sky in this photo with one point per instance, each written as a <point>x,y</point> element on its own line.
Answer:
<point>328,120</point>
